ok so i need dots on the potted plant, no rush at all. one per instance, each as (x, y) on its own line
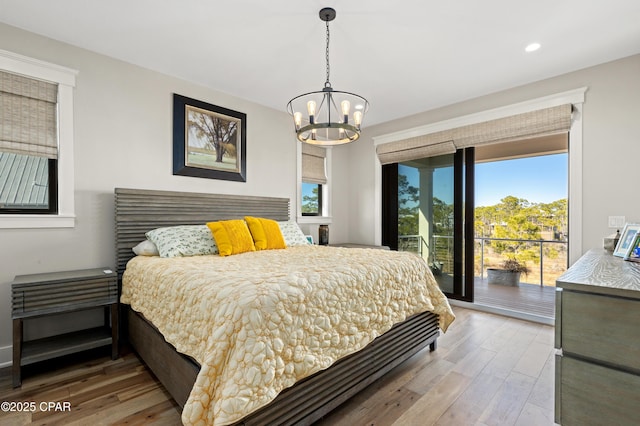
(508, 273)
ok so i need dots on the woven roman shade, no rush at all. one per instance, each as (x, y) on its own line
(543, 122)
(413, 148)
(28, 123)
(313, 164)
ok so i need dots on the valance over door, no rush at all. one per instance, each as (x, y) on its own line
(543, 122)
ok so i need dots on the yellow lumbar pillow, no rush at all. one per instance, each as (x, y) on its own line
(232, 236)
(266, 233)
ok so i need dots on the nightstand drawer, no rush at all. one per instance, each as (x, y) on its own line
(43, 294)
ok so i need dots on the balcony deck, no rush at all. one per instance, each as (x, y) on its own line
(531, 299)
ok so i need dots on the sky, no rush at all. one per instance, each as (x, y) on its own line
(536, 179)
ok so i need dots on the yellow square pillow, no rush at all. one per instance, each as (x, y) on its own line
(266, 233)
(232, 236)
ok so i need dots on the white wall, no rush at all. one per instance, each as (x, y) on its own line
(123, 138)
(611, 146)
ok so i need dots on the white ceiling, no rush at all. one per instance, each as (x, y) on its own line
(404, 56)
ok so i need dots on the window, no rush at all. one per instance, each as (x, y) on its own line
(412, 138)
(28, 145)
(314, 182)
(36, 143)
(28, 184)
(311, 199)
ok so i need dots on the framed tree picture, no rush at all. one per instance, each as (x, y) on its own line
(209, 141)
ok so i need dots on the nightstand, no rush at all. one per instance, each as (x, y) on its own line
(51, 294)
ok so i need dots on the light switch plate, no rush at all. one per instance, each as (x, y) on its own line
(616, 222)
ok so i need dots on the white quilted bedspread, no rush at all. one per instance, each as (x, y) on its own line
(258, 322)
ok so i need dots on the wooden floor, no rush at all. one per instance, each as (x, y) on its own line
(487, 370)
(101, 392)
(531, 299)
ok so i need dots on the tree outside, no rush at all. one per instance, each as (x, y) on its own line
(310, 199)
(515, 223)
(408, 207)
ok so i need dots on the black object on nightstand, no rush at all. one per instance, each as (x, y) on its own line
(55, 293)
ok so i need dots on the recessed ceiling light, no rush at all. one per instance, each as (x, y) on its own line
(532, 47)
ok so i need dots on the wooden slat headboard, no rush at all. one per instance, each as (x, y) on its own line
(140, 210)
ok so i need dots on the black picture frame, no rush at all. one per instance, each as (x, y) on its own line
(209, 141)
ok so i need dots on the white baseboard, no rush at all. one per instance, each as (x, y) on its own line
(504, 312)
(6, 356)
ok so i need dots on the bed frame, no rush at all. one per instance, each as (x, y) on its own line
(138, 211)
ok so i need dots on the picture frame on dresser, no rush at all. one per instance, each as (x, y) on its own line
(633, 254)
(626, 239)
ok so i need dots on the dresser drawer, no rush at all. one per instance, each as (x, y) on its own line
(589, 394)
(602, 328)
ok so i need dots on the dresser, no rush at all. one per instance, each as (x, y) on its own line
(597, 338)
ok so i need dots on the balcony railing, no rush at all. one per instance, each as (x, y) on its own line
(551, 259)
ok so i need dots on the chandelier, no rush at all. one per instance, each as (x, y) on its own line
(328, 117)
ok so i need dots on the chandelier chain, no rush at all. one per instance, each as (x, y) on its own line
(327, 83)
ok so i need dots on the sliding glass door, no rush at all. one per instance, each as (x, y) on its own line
(425, 207)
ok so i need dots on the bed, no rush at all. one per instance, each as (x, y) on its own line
(327, 382)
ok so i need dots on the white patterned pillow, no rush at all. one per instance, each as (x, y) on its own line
(292, 234)
(183, 240)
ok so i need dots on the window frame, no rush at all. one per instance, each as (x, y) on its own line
(65, 78)
(324, 218)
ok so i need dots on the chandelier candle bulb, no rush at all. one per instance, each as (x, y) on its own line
(357, 118)
(311, 108)
(297, 117)
(346, 106)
